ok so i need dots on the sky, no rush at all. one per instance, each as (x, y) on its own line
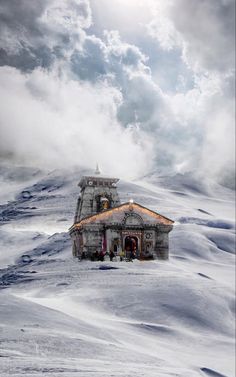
(138, 86)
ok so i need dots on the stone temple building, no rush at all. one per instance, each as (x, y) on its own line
(102, 224)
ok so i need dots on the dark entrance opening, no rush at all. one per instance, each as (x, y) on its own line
(131, 246)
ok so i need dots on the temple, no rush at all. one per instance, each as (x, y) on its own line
(102, 224)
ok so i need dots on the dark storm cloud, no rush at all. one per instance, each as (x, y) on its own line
(20, 34)
(20, 16)
(37, 33)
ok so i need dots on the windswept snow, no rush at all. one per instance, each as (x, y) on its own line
(61, 317)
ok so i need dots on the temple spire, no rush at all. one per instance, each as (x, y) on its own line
(97, 171)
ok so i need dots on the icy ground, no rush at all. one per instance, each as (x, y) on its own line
(61, 317)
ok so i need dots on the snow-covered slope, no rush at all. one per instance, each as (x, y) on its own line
(61, 317)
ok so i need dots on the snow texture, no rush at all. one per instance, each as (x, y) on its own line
(61, 317)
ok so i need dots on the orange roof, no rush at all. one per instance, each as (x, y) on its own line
(105, 214)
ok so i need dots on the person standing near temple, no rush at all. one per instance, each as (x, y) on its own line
(111, 255)
(122, 255)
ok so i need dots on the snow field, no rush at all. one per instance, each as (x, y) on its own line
(61, 317)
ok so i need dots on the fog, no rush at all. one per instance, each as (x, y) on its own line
(86, 82)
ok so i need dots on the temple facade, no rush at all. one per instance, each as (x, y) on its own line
(102, 224)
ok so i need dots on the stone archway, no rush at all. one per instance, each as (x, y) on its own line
(137, 236)
(131, 246)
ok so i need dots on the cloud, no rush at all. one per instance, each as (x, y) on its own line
(59, 122)
(206, 117)
(203, 30)
(207, 29)
(100, 95)
(76, 99)
(39, 33)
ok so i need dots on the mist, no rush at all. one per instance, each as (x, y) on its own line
(75, 92)
(61, 123)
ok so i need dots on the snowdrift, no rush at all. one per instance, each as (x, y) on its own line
(63, 317)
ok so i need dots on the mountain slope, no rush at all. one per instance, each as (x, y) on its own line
(63, 317)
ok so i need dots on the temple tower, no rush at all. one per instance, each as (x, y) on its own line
(98, 193)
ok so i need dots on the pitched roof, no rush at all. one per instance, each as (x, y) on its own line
(130, 206)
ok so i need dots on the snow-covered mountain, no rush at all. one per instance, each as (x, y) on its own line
(61, 317)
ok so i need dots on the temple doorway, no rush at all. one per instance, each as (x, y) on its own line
(131, 246)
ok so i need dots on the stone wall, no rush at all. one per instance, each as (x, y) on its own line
(87, 205)
(92, 239)
(162, 241)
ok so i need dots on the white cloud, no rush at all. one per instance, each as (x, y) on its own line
(204, 33)
(203, 30)
(99, 97)
(58, 122)
(161, 27)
